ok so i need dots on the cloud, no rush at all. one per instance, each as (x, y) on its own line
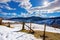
(8, 15)
(24, 3)
(9, 8)
(51, 7)
(56, 9)
(24, 15)
(37, 14)
(21, 0)
(4, 1)
(34, 11)
(5, 5)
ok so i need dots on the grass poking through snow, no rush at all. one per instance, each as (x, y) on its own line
(49, 35)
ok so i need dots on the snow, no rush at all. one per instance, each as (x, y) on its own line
(35, 27)
(8, 21)
(41, 28)
(16, 27)
(9, 34)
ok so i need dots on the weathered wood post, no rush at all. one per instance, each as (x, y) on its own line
(31, 30)
(8, 24)
(30, 27)
(0, 21)
(23, 26)
(44, 32)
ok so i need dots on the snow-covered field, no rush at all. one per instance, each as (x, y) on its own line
(36, 27)
(41, 28)
(9, 34)
(5, 21)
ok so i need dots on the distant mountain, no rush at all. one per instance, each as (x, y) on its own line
(25, 17)
(34, 17)
(49, 21)
(28, 18)
(53, 18)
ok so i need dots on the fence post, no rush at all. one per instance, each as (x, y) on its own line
(44, 31)
(8, 24)
(30, 26)
(0, 21)
(23, 27)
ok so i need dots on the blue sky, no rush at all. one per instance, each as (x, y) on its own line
(38, 2)
(28, 8)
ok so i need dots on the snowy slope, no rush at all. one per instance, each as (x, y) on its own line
(8, 21)
(41, 28)
(35, 27)
(11, 34)
(7, 34)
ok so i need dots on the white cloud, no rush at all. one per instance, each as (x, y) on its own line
(56, 9)
(3, 1)
(2, 6)
(7, 14)
(21, 0)
(37, 14)
(51, 7)
(24, 4)
(9, 8)
(46, 8)
(14, 14)
(24, 15)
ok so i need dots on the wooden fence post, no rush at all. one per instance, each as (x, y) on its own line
(44, 32)
(0, 21)
(30, 27)
(23, 26)
(8, 24)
